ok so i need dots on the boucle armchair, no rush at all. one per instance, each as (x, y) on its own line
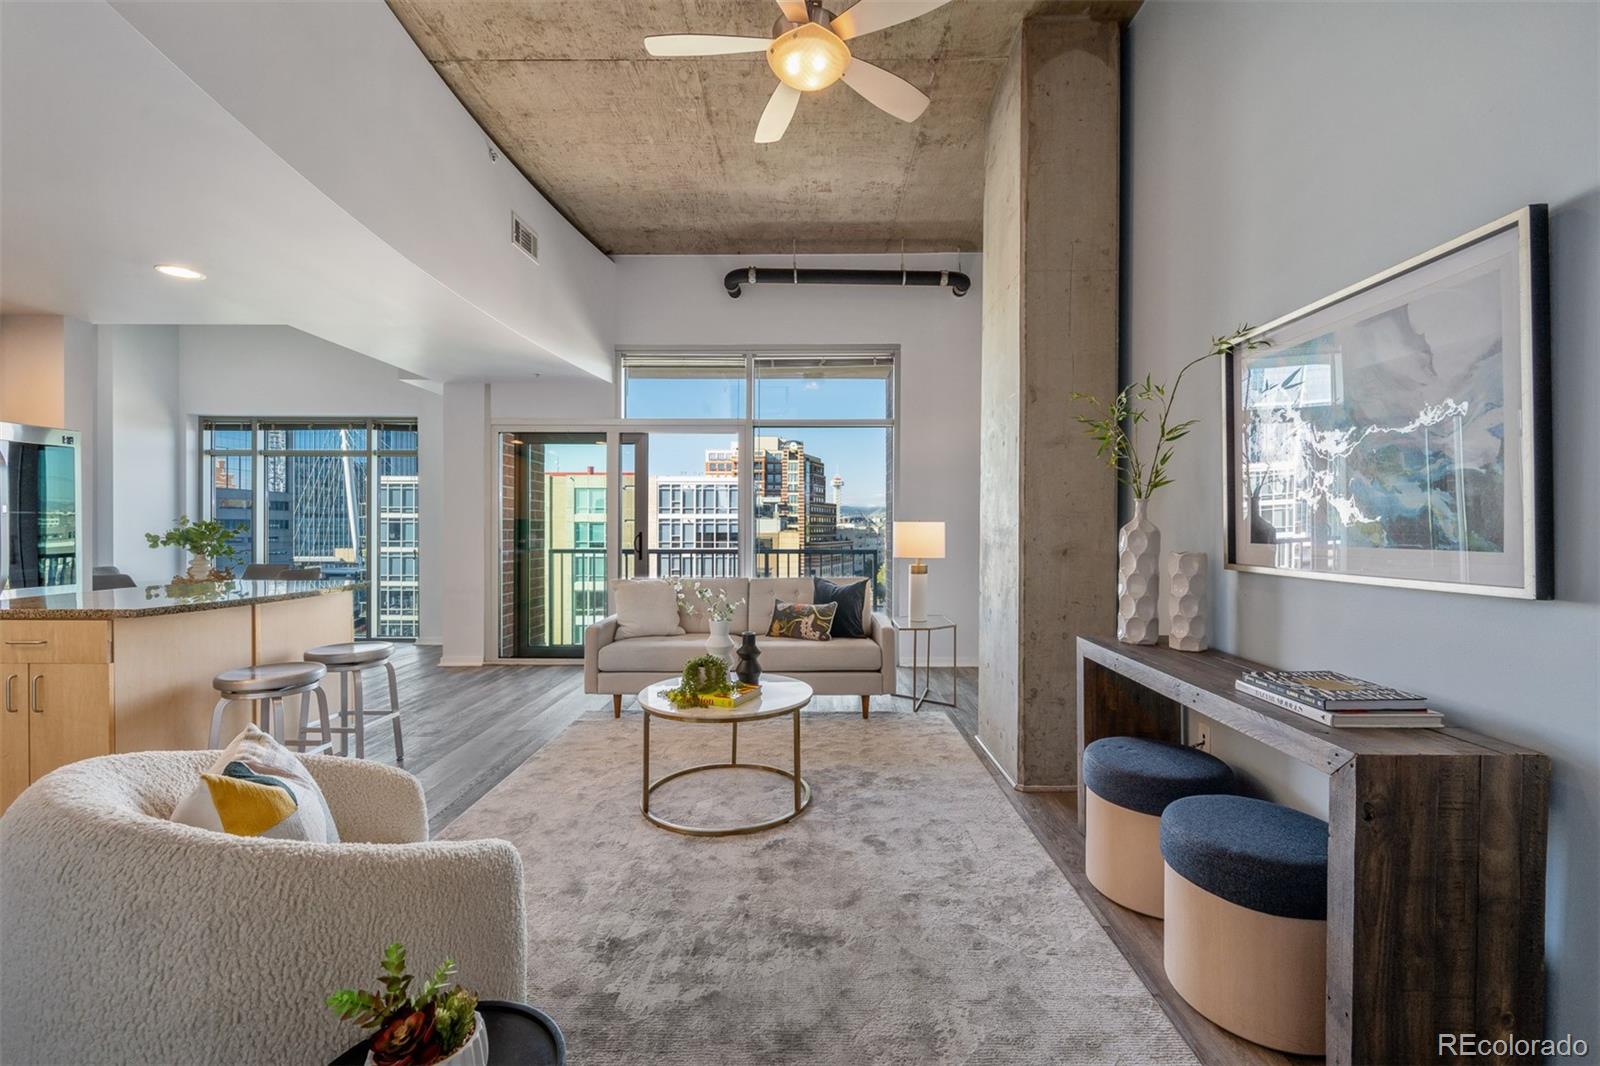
(128, 938)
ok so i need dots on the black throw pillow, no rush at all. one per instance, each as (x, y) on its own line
(849, 621)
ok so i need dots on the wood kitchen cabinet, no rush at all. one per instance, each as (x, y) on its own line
(56, 698)
(85, 673)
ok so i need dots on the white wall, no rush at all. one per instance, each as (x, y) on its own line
(138, 484)
(466, 509)
(678, 301)
(342, 94)
(1279, 152)
(276, 371)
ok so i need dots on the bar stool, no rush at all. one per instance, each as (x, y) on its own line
(270, 684)
(1246, 896)
(350, 661)
(1128, 782)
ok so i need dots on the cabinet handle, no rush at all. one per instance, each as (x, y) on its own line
(33, 695)
(27, 643)
(11, 703)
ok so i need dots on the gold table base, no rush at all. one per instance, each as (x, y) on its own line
(802, 790)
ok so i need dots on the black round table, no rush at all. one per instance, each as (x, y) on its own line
(519, 1035)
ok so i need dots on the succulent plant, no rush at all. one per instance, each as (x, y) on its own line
(412, 1030)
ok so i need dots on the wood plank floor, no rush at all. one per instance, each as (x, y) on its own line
(466, 729)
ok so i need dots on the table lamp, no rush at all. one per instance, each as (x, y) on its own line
(919, 541)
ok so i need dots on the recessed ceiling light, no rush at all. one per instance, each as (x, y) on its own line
(174, 270)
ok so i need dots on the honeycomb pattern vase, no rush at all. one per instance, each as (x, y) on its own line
(1138, 559)
(1186, 601)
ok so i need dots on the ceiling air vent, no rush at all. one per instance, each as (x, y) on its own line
(523, 237)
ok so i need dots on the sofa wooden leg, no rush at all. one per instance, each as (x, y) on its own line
(616, 705)
(866, 702)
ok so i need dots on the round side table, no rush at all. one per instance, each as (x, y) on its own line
(779, 696)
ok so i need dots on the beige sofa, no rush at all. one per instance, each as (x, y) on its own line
(125, 937)
(839, 667)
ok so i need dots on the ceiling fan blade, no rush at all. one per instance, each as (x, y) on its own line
(703, 44)
(888, 92)
(869, 16)
(794, 10)
(775, 119)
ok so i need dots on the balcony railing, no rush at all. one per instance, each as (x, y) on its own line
(574, 584)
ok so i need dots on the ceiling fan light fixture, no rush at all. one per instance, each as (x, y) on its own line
(808, 58)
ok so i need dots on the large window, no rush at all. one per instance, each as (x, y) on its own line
(818, 432)
(340, 495)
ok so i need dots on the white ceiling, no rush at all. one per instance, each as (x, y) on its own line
(112, 159)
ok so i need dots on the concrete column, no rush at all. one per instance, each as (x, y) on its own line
(1047, 554)
(462, 558)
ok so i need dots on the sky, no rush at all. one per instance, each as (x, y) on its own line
(859, 455)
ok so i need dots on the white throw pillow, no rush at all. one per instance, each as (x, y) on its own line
(258, 787)
(646, 607)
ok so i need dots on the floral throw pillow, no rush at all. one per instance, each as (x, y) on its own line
(802, 621)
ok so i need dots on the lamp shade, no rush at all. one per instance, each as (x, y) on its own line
(919, 540)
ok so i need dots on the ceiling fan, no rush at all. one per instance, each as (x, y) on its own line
(807, 51)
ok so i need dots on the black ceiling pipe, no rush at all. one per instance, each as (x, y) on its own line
(957, 282)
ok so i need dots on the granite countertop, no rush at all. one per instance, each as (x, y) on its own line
(72, 603)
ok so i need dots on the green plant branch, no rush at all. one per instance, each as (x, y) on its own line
(1115, 426)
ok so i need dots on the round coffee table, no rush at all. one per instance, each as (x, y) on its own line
(779, 696)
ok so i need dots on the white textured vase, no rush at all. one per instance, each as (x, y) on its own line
(720, 644)
(1188, 589)
(1138, 583)
(199, 568)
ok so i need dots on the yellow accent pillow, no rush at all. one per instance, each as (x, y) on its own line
(248, 808)
(256, 758)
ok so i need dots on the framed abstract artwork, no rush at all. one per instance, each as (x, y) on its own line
(1398, 432)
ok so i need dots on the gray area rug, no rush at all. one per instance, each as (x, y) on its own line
(908, 917)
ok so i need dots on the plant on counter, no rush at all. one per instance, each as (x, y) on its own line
(431, 1026)
(208, 542)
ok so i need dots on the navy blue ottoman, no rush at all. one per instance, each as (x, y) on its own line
(1128, 782)
(1246, 899)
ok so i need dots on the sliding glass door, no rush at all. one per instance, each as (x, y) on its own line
(775, 464)
(556, 503)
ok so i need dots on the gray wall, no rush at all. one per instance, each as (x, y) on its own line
(1280, 152)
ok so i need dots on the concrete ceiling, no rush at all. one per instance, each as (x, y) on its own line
(656, 156)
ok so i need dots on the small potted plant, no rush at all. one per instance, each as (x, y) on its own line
(208, 542)
(440, 1024)
(693, 597)
(705, 683)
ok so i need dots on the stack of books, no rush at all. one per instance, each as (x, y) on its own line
(737, 696)
(1340, 700)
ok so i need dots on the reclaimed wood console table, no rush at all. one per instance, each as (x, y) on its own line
(1436, 851)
